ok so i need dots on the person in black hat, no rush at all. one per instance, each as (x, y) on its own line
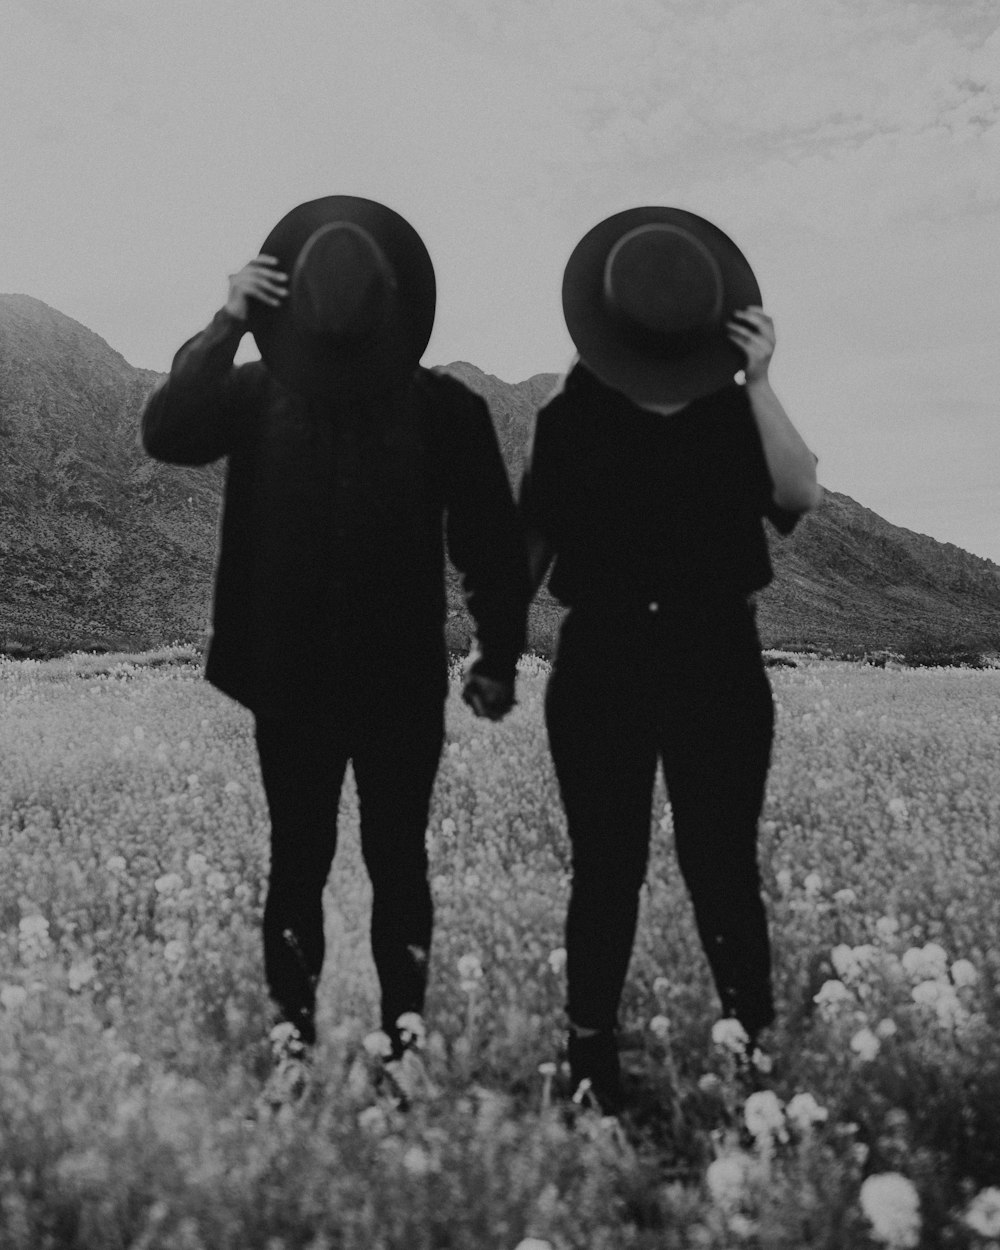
(348, 465)
(650, 472)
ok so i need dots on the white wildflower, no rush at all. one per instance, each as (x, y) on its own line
(944, 1000)
(963, 973)
(661, 987)
(763, 1116)
(377, 1044)
(448, 827)
(897, 809)
(926, 963)
(13, 996)
(892, 1206)
(232, 787)
(557, 960)
(783, 880)
(33, 926)
(845, 897)
(709, 1083)
(216, 880)
(412, 1029)
(470, 969)
(417, 1162)
(865, 1044)
(80, 974)
(803, 1111)
(887, 927)
(659, 1026)
(812, 884)
(886, 1028)
(982, 1214)
(373, 1120)
(533, 1243)
(169, 883)
(196, 863)
(116, 864)
(832, 996)
(727, 1178)
(173, 952)
(729, 1034)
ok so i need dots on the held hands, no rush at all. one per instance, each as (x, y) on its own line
(752, 330)
(258, 279)
(487, 697)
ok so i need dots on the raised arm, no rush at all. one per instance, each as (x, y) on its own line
(191, 415)
(790, 462)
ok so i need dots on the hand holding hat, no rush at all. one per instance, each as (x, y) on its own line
(258, 279)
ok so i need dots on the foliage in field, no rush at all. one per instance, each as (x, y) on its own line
(133, 853)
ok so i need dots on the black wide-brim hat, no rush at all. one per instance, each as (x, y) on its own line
(646, 296)
(388, 256)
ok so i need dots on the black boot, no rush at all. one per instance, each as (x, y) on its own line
(593, 1057)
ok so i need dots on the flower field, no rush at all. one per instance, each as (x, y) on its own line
(133, 1015)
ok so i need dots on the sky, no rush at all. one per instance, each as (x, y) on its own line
(850, 147)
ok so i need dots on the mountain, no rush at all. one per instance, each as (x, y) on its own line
(101, 547)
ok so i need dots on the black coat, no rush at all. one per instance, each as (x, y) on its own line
(329, 590)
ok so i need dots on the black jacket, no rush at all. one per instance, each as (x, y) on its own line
(329, 590)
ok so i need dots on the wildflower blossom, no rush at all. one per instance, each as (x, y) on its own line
(448, 827)
(373, 1120)
(885, 1028)
(13, 996)
(897, 809)
(115, 864)
(169, 883)
(982, 1214)
(659, 1026)
(412, 1029)
(832, 996)
(943, 999)
(377, 1044)
(892, 1206)
(803, 1111)
(812, 884)
(557, 960)
(470, 971)
(845, 897)
(533, 1243)
(783, 880)
(417, 1162)
(866, 1044)
(764, 1117)
(926, 963)
(729, 1034)
(887, 927)
(727, 1178)
(232, 787)
(963, 973)
(80, 974)
(196, 863)
(173, 952)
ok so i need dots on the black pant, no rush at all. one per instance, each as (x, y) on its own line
(395, 755)
(691, 692)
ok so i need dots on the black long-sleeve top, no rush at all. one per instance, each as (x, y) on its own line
(329, 589)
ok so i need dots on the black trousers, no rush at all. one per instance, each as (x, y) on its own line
(395, 755)
(688, 690)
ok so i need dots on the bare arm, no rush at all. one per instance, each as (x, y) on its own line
(791, 464)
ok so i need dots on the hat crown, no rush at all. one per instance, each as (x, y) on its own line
(664, 281)
(343, 286)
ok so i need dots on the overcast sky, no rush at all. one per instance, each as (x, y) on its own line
(850, 147)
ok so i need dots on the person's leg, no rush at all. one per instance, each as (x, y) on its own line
(302, 767)
(395, 762)
(716, 746)
(604, 751)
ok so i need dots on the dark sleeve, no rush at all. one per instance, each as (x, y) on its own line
(485, 541)
(192, 415)
(538, 492)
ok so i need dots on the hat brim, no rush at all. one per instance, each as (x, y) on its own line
(314, 366)
(626, 361)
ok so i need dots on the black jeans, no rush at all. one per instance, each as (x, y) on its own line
(395, 755)
(690, 691)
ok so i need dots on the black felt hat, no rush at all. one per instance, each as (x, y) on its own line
(361, 299)
(646, 296)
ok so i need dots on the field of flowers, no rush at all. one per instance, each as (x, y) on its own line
(133, 1018)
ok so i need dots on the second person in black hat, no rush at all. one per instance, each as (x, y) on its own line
(347, 467)
(651, 472)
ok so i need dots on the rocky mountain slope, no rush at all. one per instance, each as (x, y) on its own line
(102, 547)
